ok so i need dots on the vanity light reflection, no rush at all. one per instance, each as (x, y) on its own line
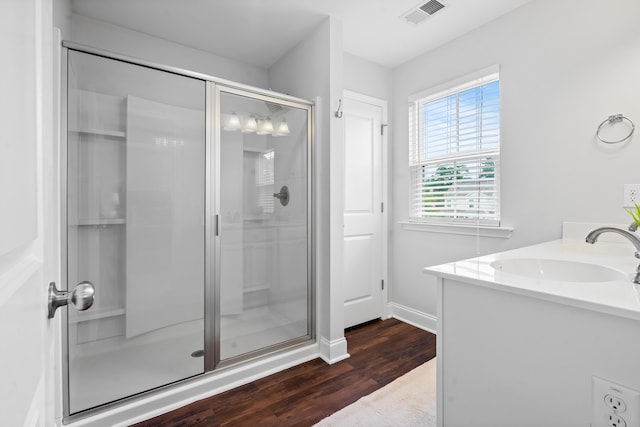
(252, 123)
(232, 123)
(265, 127)
(282, 129)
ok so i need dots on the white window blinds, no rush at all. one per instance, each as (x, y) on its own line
(454, 153)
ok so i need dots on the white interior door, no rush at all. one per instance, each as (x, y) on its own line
(25, 255)
(364, 235)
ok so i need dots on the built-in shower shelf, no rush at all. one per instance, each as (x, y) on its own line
(99, 314)
(92, 222)
(256, 288)
(102, 132)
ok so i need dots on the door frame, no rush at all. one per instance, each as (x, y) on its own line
(384, 162)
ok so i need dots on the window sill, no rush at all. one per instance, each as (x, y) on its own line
(467, 230)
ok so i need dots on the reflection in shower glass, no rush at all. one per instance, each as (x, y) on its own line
(135, 228)
(263, 271)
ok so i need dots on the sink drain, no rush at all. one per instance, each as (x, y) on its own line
(197, 353)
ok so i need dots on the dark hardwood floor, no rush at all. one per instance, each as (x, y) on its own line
(381, 351)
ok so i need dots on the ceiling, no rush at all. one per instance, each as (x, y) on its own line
(259, 32)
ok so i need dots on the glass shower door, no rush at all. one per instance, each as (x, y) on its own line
(263, 268)
(135, 228)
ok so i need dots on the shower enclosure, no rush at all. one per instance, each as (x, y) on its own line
(188, 211)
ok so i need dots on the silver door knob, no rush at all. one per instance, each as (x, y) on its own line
(81, 297)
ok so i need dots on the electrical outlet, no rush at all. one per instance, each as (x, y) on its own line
(614, 405)
(614, 420)
(631, 195)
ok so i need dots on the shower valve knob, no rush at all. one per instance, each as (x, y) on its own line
(283, 195)
(81, 297)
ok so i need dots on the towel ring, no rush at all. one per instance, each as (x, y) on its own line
(615, 119)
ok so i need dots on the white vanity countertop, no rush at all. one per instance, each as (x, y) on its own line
(620, 297)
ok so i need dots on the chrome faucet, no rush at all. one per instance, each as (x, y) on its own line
(592, 237)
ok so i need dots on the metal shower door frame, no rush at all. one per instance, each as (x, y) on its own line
(213, 87)
(285, 100)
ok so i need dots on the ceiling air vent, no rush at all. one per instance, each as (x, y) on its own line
(421, 12)
(431, 7)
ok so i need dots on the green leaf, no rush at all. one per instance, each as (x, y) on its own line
(635, 214)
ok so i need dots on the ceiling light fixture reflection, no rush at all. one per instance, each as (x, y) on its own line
(232, 123)
(265, 127)
(282, 129)
(250, 125)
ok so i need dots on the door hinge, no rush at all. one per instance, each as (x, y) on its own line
(382, 129)
(382, 207)
(217, 226)
(382, 284)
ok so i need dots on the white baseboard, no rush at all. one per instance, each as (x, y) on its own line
(413, 317)
(333, 351)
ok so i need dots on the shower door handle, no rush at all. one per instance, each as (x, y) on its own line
(81, 297)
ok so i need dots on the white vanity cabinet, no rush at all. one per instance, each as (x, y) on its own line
(521, 352)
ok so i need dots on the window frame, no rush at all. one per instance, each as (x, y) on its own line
(416, 143)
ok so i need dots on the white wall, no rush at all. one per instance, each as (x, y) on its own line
(565, 67)
(62, 17)
(367, 78)
(313, 70)
(121, 40)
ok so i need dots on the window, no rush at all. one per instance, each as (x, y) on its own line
(454, 136)
(265, 180)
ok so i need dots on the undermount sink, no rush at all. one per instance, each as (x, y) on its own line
(560, 270)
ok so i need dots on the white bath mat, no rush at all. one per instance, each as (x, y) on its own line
(408, 401)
